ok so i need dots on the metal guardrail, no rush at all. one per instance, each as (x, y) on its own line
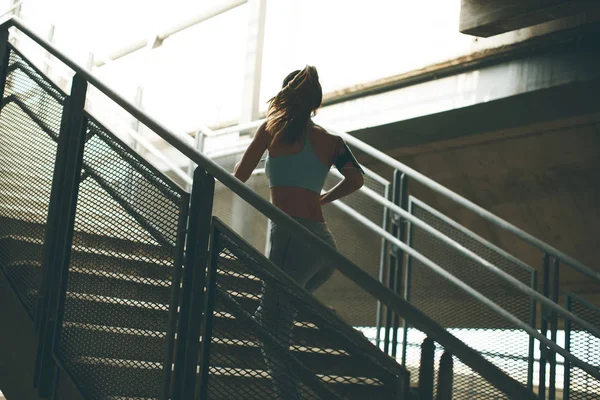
(417, 176)
(363, 280)
(532, 293)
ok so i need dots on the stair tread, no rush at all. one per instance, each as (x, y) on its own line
(19, 227)
(131, 379)
(93, 251)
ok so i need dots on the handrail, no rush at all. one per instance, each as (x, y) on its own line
(523, 288)
(417, 176)
(415, 317)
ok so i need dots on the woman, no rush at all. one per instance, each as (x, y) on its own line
(299, 157)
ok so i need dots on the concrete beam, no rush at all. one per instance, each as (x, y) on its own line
(491, 17)
(554, 34)
(563, 101)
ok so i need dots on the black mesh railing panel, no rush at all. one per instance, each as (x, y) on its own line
(29, 128)
(586, 347)
(267, 335)
(477, 325)
(123, 261)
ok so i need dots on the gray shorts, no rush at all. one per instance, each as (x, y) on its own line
(296, 258)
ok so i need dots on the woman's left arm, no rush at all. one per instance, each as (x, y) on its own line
(243, 169)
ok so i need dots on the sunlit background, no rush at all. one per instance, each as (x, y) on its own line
(200, 70)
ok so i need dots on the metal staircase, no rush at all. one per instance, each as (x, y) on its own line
(138, 292)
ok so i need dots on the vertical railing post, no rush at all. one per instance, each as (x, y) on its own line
(426, 370)
(208, 317)
(554, 329)
(532, 322)
(567, 379)
(395, 264)
(194, 276)
(59, 233)
(383, 258)
(4, 59)
(175, 296)
(402, 201)
(544, 327)
(407, 288)
(445, 377)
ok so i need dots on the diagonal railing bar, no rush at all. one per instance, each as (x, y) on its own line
(27, 68)
(19, 66)
(128, 154)
(160, 238)
(415, 317)
(13, 99)
(89, 171)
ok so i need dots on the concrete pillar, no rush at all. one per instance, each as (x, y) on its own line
(48, 59)
(257, 10)
(15, 6)
(242, 220)
(135, 124)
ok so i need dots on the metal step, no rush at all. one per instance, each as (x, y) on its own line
(227, 327)
(230, 383)
(118, 378)
(18, 249)
(139, 247)
(248, 355)
(103, 283)
(115, 312)
(115, 343)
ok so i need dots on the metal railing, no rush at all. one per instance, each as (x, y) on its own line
(400, 216)
(578, 384)
(396, 165)
(394, 302)
(548, 301)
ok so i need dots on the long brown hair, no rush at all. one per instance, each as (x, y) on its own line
(289, 111)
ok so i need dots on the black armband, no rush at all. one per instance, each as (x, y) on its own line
(345, 158)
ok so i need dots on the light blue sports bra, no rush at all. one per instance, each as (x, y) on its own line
(302, 169)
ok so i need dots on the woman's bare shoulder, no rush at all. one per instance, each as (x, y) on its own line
(326, 134)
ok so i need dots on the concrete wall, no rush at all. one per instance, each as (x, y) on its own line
(544, 178)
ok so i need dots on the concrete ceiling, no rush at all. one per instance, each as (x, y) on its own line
(491, 17)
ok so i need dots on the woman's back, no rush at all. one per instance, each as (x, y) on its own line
(300, 153)
(297, 171)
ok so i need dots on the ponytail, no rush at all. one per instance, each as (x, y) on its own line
(290, 110)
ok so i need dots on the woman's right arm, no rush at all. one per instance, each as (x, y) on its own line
(350, 169)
